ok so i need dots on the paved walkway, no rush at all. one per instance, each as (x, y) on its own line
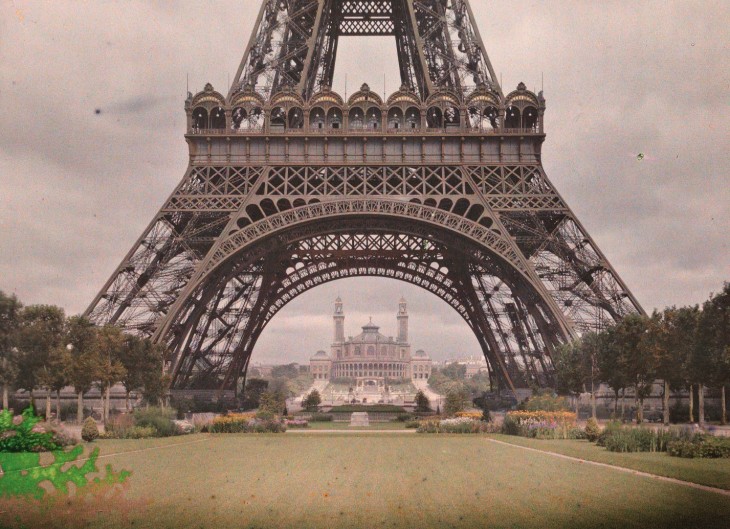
(620, 469)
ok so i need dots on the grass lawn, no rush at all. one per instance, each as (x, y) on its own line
(365, 481)
(711, 472)
(346, 426)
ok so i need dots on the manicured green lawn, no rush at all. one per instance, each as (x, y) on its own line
(369, 480)
(711, 472)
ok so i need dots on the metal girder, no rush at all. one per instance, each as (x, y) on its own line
(265, 213)
(294, 43)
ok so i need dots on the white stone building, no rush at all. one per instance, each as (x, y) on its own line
(371, 354)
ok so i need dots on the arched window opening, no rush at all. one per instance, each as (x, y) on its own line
(316, 118)
(356, 118)
(461, 206)
(529, 118)
(218, 119)
(283, 204)
(512, 119)
(446, 204)
(395, 119)
(374, 118)
(491, 115)
(200, 119)
(268, 207)
(278, 118)
(254, 213)
(413, 118)
(452, 117)
(435, 118)
(334, 118)
(475, 212)
(296, 118)
(238, 117)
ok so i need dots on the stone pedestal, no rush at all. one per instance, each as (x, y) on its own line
(359, 418)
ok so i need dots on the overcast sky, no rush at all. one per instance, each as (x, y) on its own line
(620, 77)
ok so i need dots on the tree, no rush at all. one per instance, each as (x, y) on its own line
(454, 371)
(155, 382)
(668, 348)
(713, 333)
(570, 370)
(312, 401)
(10, 309)
(457, 399)
(40, 332)
(80, 339)
(272, 401)
(611, 369)
(57, 375)
(252, 392)
(285, 371)
(422, 402)
(108, 350)
(634, 348)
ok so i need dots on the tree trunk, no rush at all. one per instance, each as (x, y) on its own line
(80, 407)
(577, 406)
(126, 403)
(108, 403)
(615, 404)
(691, 404)
(58, 405)
(701, 399)
(48, 404)
(623, 404)
(32, 400)
(6, 404)
(723, 419)
(665, 403)
(639, 406)
(593, 400)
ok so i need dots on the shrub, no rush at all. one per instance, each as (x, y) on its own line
(617, 438)
(158, 418)
(297, 423)
(243, 424)
(265, 415)
(24, 434)
(413, 424)
(89, 431)
(119, 425)
(545, 403)
(476, 415)
(321, 417)
(140, 432)
(539, 424)
(403, 417)
(452, 425)
(701, 446)
(592, 430)
(577, 433)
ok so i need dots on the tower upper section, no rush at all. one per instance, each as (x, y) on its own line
(402, 321)
(294, 44)
(339, 321)
(365, 113)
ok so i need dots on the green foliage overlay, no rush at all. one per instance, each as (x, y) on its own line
(23, 474)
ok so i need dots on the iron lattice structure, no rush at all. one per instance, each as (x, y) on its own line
(290, 186)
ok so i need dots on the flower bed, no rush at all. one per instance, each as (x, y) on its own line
(297, 423)
(476, 415)
(540, 424)
(455, 425)
(244, 423)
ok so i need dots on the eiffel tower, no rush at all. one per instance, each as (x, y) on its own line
(290, 185)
